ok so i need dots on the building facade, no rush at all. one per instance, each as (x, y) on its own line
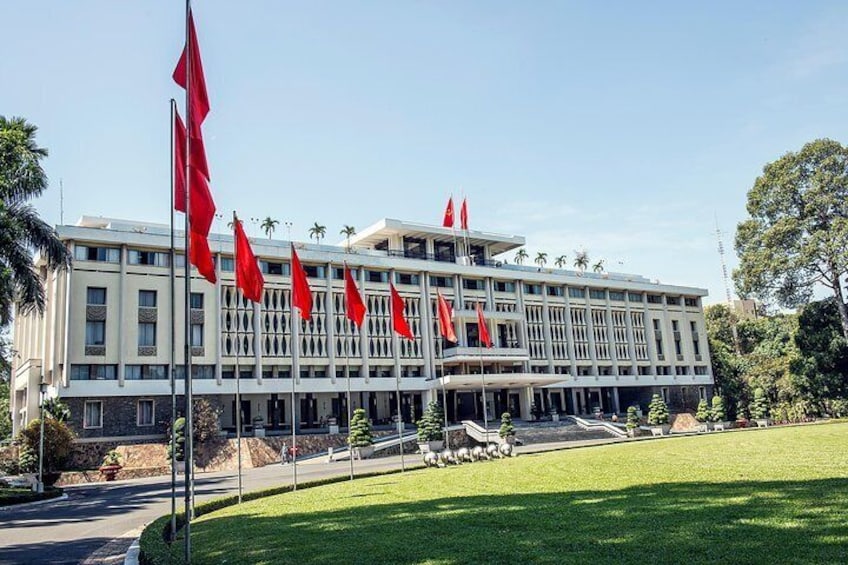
(565, 341)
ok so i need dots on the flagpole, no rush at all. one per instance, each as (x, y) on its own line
(395, 346)
(444, 391)
(483, 381)
(347, 378)
(238, 372)
(295, 331)
(172, 369)
(189, 449)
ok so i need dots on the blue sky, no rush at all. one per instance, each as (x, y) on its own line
(620, 127)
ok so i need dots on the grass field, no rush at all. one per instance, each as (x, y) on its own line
(778, 495)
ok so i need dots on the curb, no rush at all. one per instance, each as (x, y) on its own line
(133, 552)
(64, 496)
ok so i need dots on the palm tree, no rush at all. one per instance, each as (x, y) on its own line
(348, 231)
(581, 260)
(561, 261)
(520, 256)
(22, 231)
(541, 259)
(599, 266)
(317, 231)
(269, 225)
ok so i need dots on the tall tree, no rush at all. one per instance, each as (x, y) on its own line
(348, 232)
(269, 225)
(22, 231)
(796, 236)
(317, 231)
(581, 260)
(599, 266)
(823, 371)
(561, 261)
(541, 259)
(520, 256)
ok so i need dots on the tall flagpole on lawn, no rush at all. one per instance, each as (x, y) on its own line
(347, 378)
(295, 370)
(237, 370)
(395, 346)
(172, 368)
(480, 322)
(189, 450)
(441, 360)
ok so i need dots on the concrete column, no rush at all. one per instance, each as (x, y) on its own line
(522, 322)
(590, 330)
(569, 329)
(363, 334)
(330, 311)
(257, 342)
(214, 319)
(122, 319)
(631, 342)
(546, 329)
(649, 332)
(525, 397)
(459, 304)
(428, 346)
(611, 336)
(616, 404)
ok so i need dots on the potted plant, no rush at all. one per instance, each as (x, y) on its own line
(717, 414)
(258, 426)
(430, 434)
(554, 414)
(759, 408)
(507, 429)
(703, 415)
(658, 416)
(741, 414)
(111, 465)
(360, 439)
(178, 451)
(632, 421)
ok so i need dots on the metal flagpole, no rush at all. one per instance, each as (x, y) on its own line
(295, 371)
(172, 368)
(347, 378)
(444, 391)
(238, 393)
(395, 346)
(483, 381)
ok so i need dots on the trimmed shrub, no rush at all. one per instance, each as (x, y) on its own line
(717, 413)
(430, 424)
(703, 413)
(58, 442)
(759, 406)
(179, 440)
(360, 430)
(632, 418)
(507, 428)
(657, 411)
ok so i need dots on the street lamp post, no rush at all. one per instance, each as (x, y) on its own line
(42, 389)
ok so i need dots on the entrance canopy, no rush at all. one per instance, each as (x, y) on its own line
(505, 380)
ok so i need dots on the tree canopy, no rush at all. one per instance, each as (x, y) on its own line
(796, 235)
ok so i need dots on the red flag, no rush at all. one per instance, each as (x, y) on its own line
(301, 295)
(199, 100)
(202, 205)
(354, 307)
(463, 215)
(445, 319)
(485, 339)
(398, 321)
(201, 257)
(448, 221)
(248, 275)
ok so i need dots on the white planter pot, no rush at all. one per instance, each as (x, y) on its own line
(762, 422)
(428, 446)
(555, 417)
(363, 452)
(259, 432)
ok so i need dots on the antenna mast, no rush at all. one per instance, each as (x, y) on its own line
(727, 286)
(61, 203)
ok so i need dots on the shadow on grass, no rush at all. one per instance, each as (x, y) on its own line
(744, 522)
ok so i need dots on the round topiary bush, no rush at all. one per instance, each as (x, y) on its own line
(717, 413)
(360, 430)
(507, 428)
(759, 406)
(657, 411)
(632, 418)
(703, 412)
(430, 424)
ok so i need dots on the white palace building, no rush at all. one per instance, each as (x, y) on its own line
(569, 342)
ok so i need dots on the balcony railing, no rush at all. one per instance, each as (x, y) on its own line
(493, 353)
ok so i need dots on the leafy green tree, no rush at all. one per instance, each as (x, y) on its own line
(317, 231)
(58, 442)
(269, 225)
(348, 232)
(703, 412)
(798, 226)
(717, 413)
(22, 231)
(822, 371)
(581, 260)
(56, 409)
(599, 266)
(561, 262)
(360, 430)
(507, 428)
(657, 411)
(520, 256)
(632, 418)
(5, 413)
(759, 406)
(541, 259)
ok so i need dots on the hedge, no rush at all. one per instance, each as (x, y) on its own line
(9, 497)
(154, 542)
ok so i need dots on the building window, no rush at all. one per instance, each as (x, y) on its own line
(197, 335)
(147, 298)
(532, 289)
(555, 291)
(700, 370)
(504, 286)
(441, 282)
(200, 372)
(634, 297)
(702, 393)
(407, 278)
(228, 264)
(146, 334)
(102, 254)
(95, 333)
(376, 276)
(574, 292)
(144, 413)
(145, 372)
(664, 392)
(153, 258)
(672, 300)
(95, 296)
(196, 300)
(473, 284)
(94, 372)
(597, 294)
(691, 302)
(616, 296)
(274, 268)
(93, 414)
(314, 271)
(654, 299)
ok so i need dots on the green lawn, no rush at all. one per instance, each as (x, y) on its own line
(778, 495)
